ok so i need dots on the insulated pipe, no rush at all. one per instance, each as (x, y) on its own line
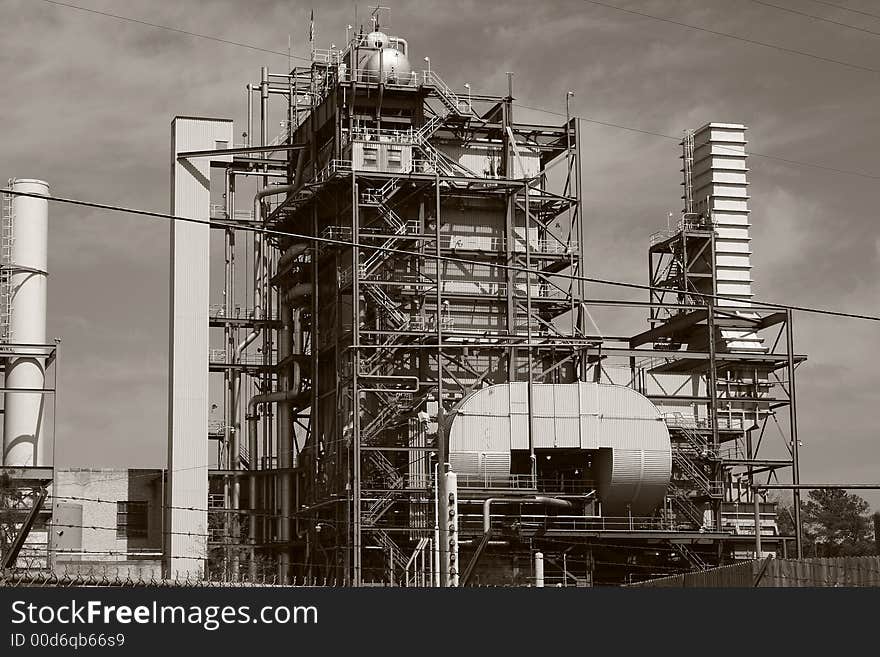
(283, 396)
(539, 570)
(296, 379)
(540, 499)
(285, 443)
(285, 262)
(297, 292)
(253, 335)
(24, 411)
(260, 282)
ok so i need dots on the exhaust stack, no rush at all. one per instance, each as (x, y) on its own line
(23, 419)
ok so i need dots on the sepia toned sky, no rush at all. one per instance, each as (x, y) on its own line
(87, 101)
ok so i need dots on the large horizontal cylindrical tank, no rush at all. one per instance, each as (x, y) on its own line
(24, 412)
(619, 430)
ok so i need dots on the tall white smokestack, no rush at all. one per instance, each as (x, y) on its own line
(23, 419)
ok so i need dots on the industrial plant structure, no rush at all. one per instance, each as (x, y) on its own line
(28, 437)
(413, 389)
(394, 373)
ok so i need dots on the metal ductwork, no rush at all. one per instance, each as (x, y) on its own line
(623, 432)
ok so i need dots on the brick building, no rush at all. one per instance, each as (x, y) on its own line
(107, 521)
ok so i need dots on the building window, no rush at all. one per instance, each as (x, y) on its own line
(131, 519)
(395, 158)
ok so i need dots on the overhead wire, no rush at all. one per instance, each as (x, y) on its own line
(855, 11)
(766, 156)
(454, 259)
(173, 29)
(581, 118)
(764, 44)
(814, 17)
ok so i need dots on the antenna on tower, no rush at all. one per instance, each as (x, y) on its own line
(376, 15)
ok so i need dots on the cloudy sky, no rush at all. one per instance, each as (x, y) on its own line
(87, 103)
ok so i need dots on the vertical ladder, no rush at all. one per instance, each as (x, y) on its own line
(688, 158)
(7, 239)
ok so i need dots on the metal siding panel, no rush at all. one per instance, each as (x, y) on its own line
(188, 394)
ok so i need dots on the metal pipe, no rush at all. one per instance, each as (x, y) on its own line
(756, 507)
(357, 575)
(539, 499)
(436, 547)
(262, 262)
(250, 115)
(285, 262)
(285, 442)
(442, 451)
(284, 396)
(533, 464)
(297, 292)
(539, 570)
(792, 414)
(264, 105)
(258, 214)
(230, 443)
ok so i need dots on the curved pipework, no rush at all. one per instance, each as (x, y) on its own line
(397, 42)
(292, 254)
(296, 293)
(285, 396)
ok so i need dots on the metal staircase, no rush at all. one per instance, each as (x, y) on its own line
(692, 557)
(695, 474)
(413, 576)
(379, 198)
(447, 96)
(394, 481)
(381, 505)
(382, 353)
(397, 562)
(682, 505)
(397, 318)
(697, 443)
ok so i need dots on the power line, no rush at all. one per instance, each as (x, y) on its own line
(589, 120)
(172, 29)
(855, 11)
(814, 17)
(764, 44)
(454, 259)
(766, 156)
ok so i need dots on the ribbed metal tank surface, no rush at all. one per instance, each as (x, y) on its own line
(633, 457)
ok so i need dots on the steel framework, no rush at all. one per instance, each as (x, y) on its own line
(425, 244)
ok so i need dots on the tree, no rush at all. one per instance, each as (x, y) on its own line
(835, 524)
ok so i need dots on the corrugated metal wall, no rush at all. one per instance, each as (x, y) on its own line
(779, 573)
(635, 459)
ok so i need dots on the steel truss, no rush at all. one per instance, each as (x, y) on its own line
(365, 352)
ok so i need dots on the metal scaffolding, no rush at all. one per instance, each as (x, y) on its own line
(425, 244)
